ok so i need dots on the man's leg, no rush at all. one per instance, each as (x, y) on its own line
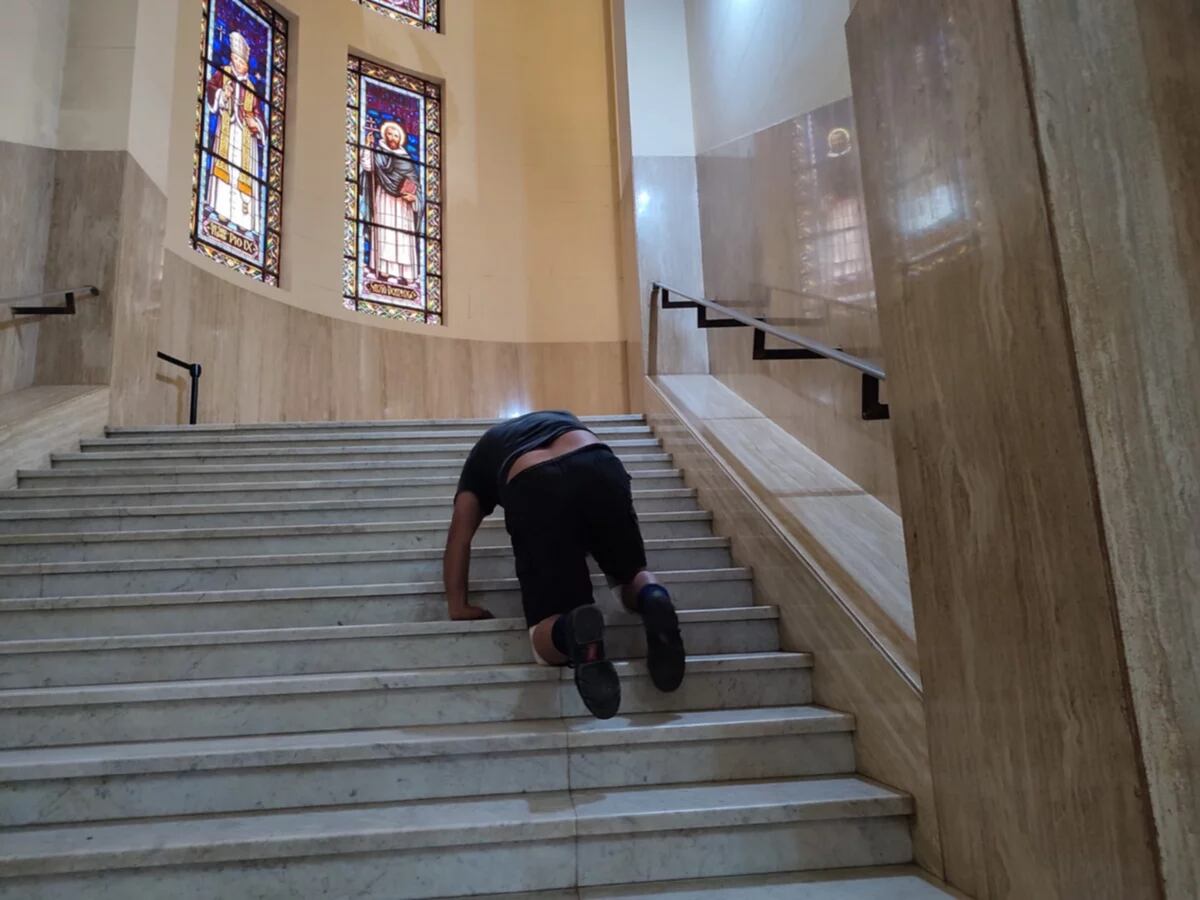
(614, 538)
(566, 628)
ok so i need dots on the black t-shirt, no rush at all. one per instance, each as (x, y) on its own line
(486, 469)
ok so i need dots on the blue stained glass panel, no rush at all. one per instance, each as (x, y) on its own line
(393, 239)
(424, 14)
(238, 176)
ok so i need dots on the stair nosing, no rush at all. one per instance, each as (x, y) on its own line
(320, 633)
(320, 592)
(129, 759)
(353, 682)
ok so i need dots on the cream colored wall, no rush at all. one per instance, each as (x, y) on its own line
(152, 87)
(660, 87)
(531, 239)
(755, 63)
(33, 45)
(97, 76)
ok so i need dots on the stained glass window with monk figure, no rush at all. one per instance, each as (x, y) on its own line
(237, 191)
(421, 13)
(392, 262)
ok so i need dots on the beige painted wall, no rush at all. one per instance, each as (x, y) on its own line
(531, 240)
(660, 87)
(97, 75)
(33, 44)
(755, 63)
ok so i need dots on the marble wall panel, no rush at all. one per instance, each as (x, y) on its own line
(1122, 176)
(1038, 784)
(851, 672)
(266, 361)
(668, 251)
(784, 236)
(26, 191)
(85, 226)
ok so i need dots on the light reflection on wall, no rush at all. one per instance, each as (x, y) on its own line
(833, 249)
(931, 211)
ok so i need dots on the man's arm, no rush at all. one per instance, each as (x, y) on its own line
(456, 564)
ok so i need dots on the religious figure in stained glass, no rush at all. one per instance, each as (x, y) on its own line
(392, 198)
(237, 194)
(421, 13)
(393, 240)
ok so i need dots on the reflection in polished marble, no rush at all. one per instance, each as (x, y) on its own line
(784, 236)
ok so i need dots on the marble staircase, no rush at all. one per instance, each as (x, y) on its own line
(226, 672)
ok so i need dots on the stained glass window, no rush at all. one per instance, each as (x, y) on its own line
(392, 263)
(421, 13)
(237, 187)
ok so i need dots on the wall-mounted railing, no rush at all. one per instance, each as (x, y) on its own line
(802, 347)
(68, 295)
(194, 370)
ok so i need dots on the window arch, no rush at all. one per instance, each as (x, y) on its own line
(420, 13)
(392, 255)
(237, 184)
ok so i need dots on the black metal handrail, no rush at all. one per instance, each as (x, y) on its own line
(67, 309)
(194, 370)
(872, 375)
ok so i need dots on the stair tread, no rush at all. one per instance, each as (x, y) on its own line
(348, 632)
(102, 760)
(347, 682)
(874, 883)
(401, 448)
(183, 510)
(245, 595)
(296, 559)
(277, 486)
(417, 824)
(99, 537)
(636, 418)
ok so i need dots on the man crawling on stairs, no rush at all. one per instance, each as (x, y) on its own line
(565, 495)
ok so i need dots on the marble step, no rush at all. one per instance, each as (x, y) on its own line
(425, 849)
(315, 512)
(475, 425)
(386, 603)
(303, 570)
(212, 490)
(395, 452)
(145, 473)
(873, 883)
(222, 775)
(348, 437)
(46, 717)
(339, 537)
(273, 652)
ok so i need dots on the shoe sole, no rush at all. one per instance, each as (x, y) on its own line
(665, 655)
(596, 680)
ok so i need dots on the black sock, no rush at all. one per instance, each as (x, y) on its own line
(558, 636)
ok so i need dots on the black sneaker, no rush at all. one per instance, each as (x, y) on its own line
(665, 655)
(595, 677)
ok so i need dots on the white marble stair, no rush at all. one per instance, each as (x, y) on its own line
(269, 652)
(332, 768)
(313, 512)
(362, 485)
(215, 573)
(299, 429)
(511, 842)
(226, 671)
(27, 618)
(259, 540)
(183, 472)
(217, 707)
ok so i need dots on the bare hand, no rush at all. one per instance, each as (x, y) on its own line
(470, 613)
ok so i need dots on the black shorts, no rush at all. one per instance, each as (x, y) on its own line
(558, 512)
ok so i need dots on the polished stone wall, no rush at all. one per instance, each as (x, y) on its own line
(783, 232)
(26, 192)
